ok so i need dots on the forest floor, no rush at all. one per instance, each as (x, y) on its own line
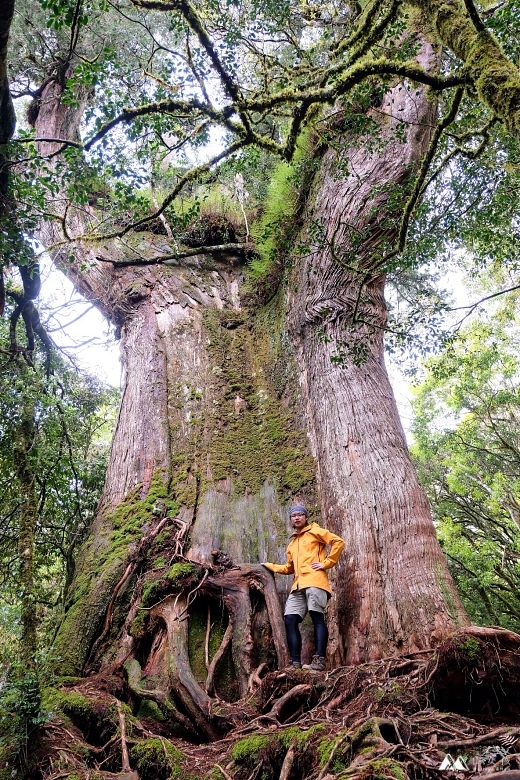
(448, 713)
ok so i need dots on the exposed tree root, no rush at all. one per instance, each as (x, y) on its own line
(137, 557)
(293, 696)
(154, 646)
(226, 640)
(371, 722)
(125, 761)
(195, 701)
(288, 761)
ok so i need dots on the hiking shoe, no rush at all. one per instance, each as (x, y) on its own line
(293, 665)
(316, 665)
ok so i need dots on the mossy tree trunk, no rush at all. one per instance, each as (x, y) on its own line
(231, 411)
(26, 671)
(23, 452)
(7, 118)
(7, 124)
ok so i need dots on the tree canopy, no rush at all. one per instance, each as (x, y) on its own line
(175, 92)
(180, 100)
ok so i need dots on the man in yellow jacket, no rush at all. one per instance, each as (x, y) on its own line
(308, 561)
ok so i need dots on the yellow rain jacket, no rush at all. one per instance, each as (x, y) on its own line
(306, 547)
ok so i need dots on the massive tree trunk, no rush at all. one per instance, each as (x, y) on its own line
(396, 594)
(229, 413)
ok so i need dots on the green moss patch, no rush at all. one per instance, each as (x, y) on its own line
(151, 710)
(469, 648)
(326, 746)
(253, 432)
(94, 717)
(139, 626)
(177, 578)
(247, 751)
(294, 734)
(270, 751)
(156, 759)
(275, 230)
(383, 769)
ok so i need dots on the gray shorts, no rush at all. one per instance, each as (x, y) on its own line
(301, 601)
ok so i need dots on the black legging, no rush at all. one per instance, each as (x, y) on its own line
(294, 638)
(321, 634)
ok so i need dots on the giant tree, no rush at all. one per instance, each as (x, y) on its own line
(242, 395)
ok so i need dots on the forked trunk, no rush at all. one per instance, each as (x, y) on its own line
(228, 414)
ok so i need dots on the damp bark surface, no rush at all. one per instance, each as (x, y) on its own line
(229, 413)
(396, 594)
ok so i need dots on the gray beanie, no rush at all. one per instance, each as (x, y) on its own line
(298, 509)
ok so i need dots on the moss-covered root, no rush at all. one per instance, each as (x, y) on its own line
(156, 759)
(95, 716)
(93, 728)
(109, 556)
(164, 706)
(196, 703)
(82, 732)
(273, 756)
(468, 670)
(378, 769)
(376, 732)
(292, 752)
(360, 753)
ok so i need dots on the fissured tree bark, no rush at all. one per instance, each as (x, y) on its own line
(395, 593)
(230, 411)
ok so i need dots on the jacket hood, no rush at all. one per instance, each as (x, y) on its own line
(304, 529)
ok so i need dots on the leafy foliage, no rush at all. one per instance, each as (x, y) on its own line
(20, 713)
(54, 429)
(73, 416)
(466, 223)
(163, 82)
(179, 96)
(467, 433)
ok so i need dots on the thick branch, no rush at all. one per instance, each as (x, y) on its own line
(193, 106)
(496, 79)
(354, 76)
(175, 258)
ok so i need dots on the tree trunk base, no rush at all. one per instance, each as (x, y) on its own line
(378, 720)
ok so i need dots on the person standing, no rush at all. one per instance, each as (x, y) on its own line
(308, 560)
